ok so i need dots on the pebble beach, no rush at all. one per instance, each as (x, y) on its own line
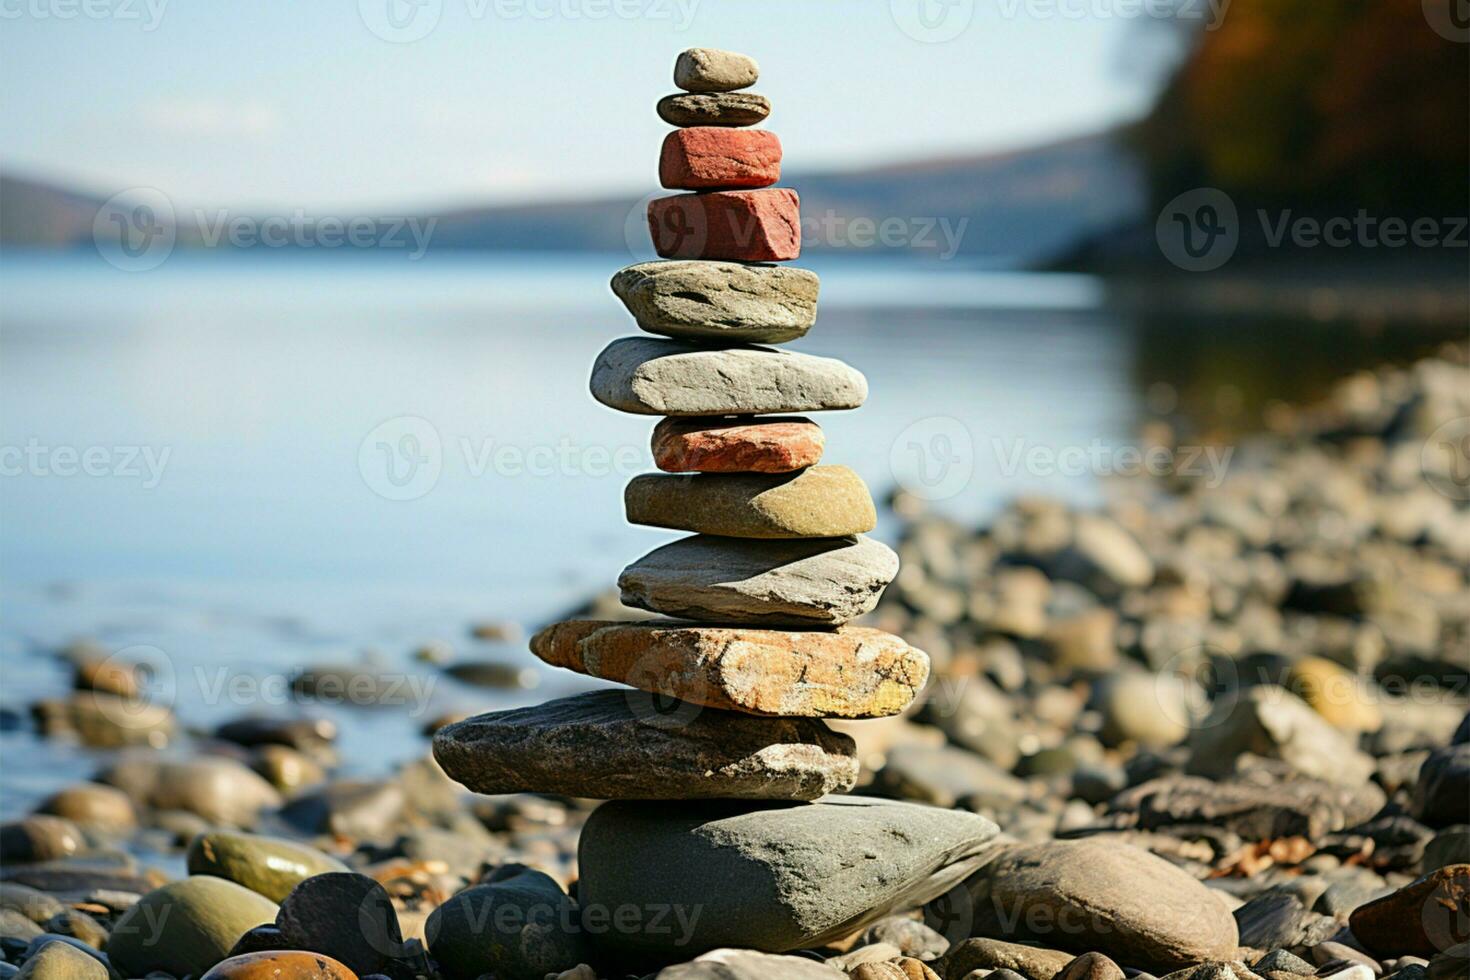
(1213, 729)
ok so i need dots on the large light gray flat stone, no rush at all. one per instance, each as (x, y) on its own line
(647, 376)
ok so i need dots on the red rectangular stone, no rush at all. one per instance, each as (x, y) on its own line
(769, 444)
(711, 157)
(734, 226)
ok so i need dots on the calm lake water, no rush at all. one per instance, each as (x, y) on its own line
(303, 459)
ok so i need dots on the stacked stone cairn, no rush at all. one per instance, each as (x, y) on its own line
(729, 692)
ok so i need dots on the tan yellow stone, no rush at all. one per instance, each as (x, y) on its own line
(1335, 693)
(850, 672)
(820, 502)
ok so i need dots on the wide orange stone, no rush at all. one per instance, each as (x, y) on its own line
(849, 672)
(710, 157)
(718, 445)
(737, 226)
(280, 965)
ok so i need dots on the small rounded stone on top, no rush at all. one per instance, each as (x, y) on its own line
(714, 108)
(713, 70)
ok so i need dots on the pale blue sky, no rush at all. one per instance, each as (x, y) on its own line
(299, 103)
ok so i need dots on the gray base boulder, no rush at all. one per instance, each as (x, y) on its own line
(768, 877)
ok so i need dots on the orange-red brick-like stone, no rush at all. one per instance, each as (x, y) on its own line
(713, 445)
(703, 158)
(737, 226)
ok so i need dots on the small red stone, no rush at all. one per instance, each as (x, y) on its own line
(708, 157)
(713, 445)
(734, 226)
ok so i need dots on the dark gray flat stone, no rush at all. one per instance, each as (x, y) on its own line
(619, 745)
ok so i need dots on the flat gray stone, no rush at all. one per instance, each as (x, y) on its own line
(826, 581)
(728, 301)
(769, 877)
(646, 376)
(631, 745)
(714, 108)
(1106, 897)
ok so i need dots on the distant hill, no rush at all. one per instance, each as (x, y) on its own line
(1020, 208)
(1017, 208)
(33, 213)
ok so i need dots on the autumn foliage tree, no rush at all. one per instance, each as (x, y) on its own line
(1322, 105)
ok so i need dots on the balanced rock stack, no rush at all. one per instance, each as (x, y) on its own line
(728, 694)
